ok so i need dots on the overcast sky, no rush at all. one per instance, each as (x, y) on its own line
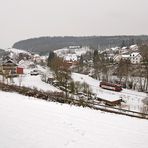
(22, 19)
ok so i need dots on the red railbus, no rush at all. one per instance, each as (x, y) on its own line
(111, 86)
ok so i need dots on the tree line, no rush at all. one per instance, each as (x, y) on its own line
(42, 45)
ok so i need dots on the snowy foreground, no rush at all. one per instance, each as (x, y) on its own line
(30, 123)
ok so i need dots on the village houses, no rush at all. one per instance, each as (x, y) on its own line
(134, 57)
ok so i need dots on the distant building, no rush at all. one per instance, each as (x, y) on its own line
(125, 57)
(74, 47)
(118, 57)
(135, 57)
(36, 58)
(123, 50)
(110, 101)
(71, 57)
(9, 68)
(134, 47)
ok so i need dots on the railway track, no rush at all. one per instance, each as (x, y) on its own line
(114, 92)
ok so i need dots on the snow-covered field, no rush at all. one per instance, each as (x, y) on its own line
(133, 98)
(34, 82)
(31, 123)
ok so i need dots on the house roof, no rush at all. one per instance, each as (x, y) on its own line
(10, 61)
(133, 47)
(134, 54)
(125, 56)
(108, 97)
(124, 48)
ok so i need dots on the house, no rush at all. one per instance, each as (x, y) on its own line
(36, 58)
(110, 101)
(71, 59)
(125, 57)
(135, 57)
(133, 47)
(123, 50)
(9, 68)
(118, 57)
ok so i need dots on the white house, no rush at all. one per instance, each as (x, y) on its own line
(123, 50)
(126, 57)
(134, 47)
(118, 57)
(71, 57)
(135, 57)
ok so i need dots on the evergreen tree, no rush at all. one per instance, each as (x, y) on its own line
(50, 58)
(95, 57)
(81, 61)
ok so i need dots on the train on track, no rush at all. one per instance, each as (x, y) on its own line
(111, 86)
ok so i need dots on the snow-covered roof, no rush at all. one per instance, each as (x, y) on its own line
(115, 48)
(107, 49)
(9, 61)
(108, 97)
(125, 56)
(36, 56)
(124, 47)
(134, 54)
(133, 46)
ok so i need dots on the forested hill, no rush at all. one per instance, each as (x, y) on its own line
(44, 44)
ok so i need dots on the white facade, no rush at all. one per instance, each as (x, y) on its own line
(125, 56)
(71, 57)
(135, 58)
